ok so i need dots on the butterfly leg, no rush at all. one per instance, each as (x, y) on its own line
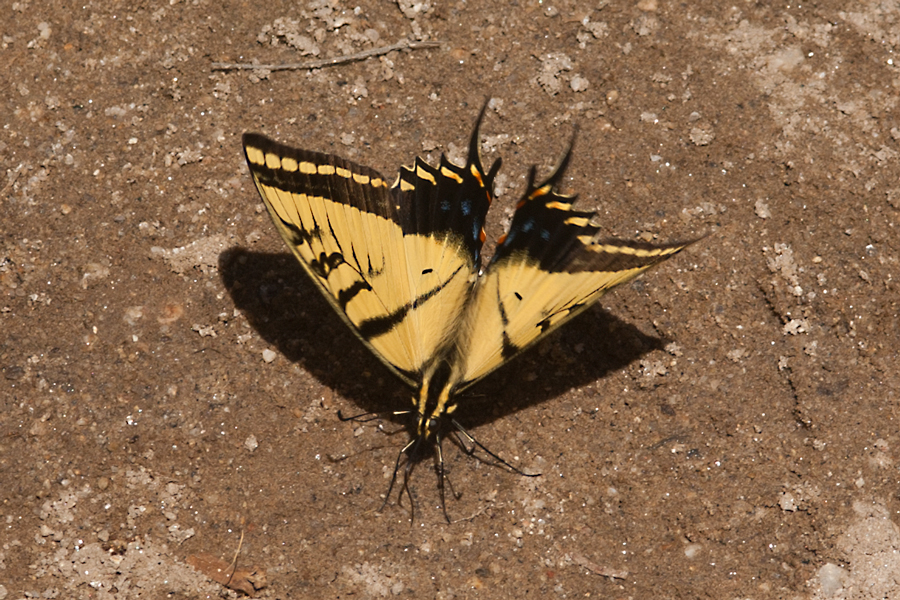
(468, 448)
(475, 443)
(407, 469)
(456, 495)
(400, 454)
(370, 416)
(441, 475)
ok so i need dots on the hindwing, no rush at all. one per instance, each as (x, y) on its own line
(548, 268)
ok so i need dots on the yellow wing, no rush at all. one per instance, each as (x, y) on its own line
(396, 262)
(548, 268)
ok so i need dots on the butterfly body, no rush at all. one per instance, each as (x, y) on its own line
(401, 263)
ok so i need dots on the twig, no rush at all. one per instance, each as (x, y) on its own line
(12, 179)
(327, 62)
(582, 560)
(234, 561)
(472, 516)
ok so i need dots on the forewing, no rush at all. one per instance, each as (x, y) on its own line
(390, 259)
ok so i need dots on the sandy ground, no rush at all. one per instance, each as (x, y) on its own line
(725, 427)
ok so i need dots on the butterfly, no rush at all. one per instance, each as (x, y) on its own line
(401, 264)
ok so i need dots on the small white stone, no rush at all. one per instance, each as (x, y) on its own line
(579, 83)
(787, 502)
(250, 443)
(831, 578)
(268, 355)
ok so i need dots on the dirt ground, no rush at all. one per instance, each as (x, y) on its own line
(726, 427)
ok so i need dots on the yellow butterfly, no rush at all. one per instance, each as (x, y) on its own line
(401, 265)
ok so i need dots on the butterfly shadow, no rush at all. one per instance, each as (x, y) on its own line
(581, 352)
(288, 312)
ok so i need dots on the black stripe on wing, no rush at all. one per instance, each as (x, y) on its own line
(448, 201)
(546, 230)
(544, 226)
(301, 171)
(378, 326)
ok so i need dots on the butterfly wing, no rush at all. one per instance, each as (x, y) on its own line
(396, 262)
(548, 268)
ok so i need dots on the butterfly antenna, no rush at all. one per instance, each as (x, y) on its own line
(472, 439)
